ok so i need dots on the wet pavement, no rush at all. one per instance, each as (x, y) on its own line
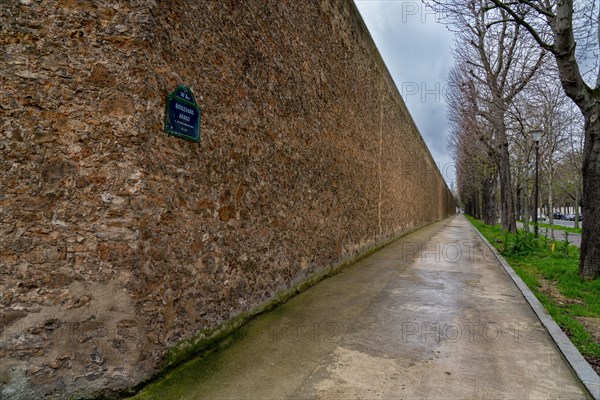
(432, 315)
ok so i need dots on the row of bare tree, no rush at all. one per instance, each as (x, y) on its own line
(523, 66)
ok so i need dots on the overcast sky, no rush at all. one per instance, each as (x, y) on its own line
(416, 50)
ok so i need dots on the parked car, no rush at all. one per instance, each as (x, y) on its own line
(570, 217)
(558, 215)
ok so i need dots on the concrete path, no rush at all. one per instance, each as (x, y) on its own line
(574, 238)
(432, 315)
(562, 222)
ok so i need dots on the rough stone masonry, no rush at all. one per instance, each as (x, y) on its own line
(118, 241)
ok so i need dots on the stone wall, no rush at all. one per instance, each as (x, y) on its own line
(118, 241)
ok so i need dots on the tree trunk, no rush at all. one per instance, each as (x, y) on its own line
(518, 208)
(589, 266)
(526, 204)
(489, 201)
(550, 207)
(480, 204)
(506, 195)
(577, 203)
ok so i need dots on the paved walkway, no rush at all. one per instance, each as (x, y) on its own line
(432, 315)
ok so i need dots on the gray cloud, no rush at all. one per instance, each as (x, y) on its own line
(416, 50)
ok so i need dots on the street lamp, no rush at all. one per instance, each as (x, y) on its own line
(537, 135)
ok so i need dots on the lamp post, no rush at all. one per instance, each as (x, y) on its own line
(537, 135)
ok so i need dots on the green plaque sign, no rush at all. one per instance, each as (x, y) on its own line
(182, 116)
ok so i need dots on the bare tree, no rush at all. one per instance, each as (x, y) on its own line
(570, 167)
(545, 106)
(499, 60)
(476, 172)
(554, 26)
(522, 144)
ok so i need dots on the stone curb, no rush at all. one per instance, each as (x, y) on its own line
(582, 369)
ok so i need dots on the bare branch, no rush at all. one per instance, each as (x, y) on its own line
(524, 24)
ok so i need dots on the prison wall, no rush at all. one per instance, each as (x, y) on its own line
(119, 242)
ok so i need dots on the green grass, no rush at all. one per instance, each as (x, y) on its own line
(556, 227)
(541, 269)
